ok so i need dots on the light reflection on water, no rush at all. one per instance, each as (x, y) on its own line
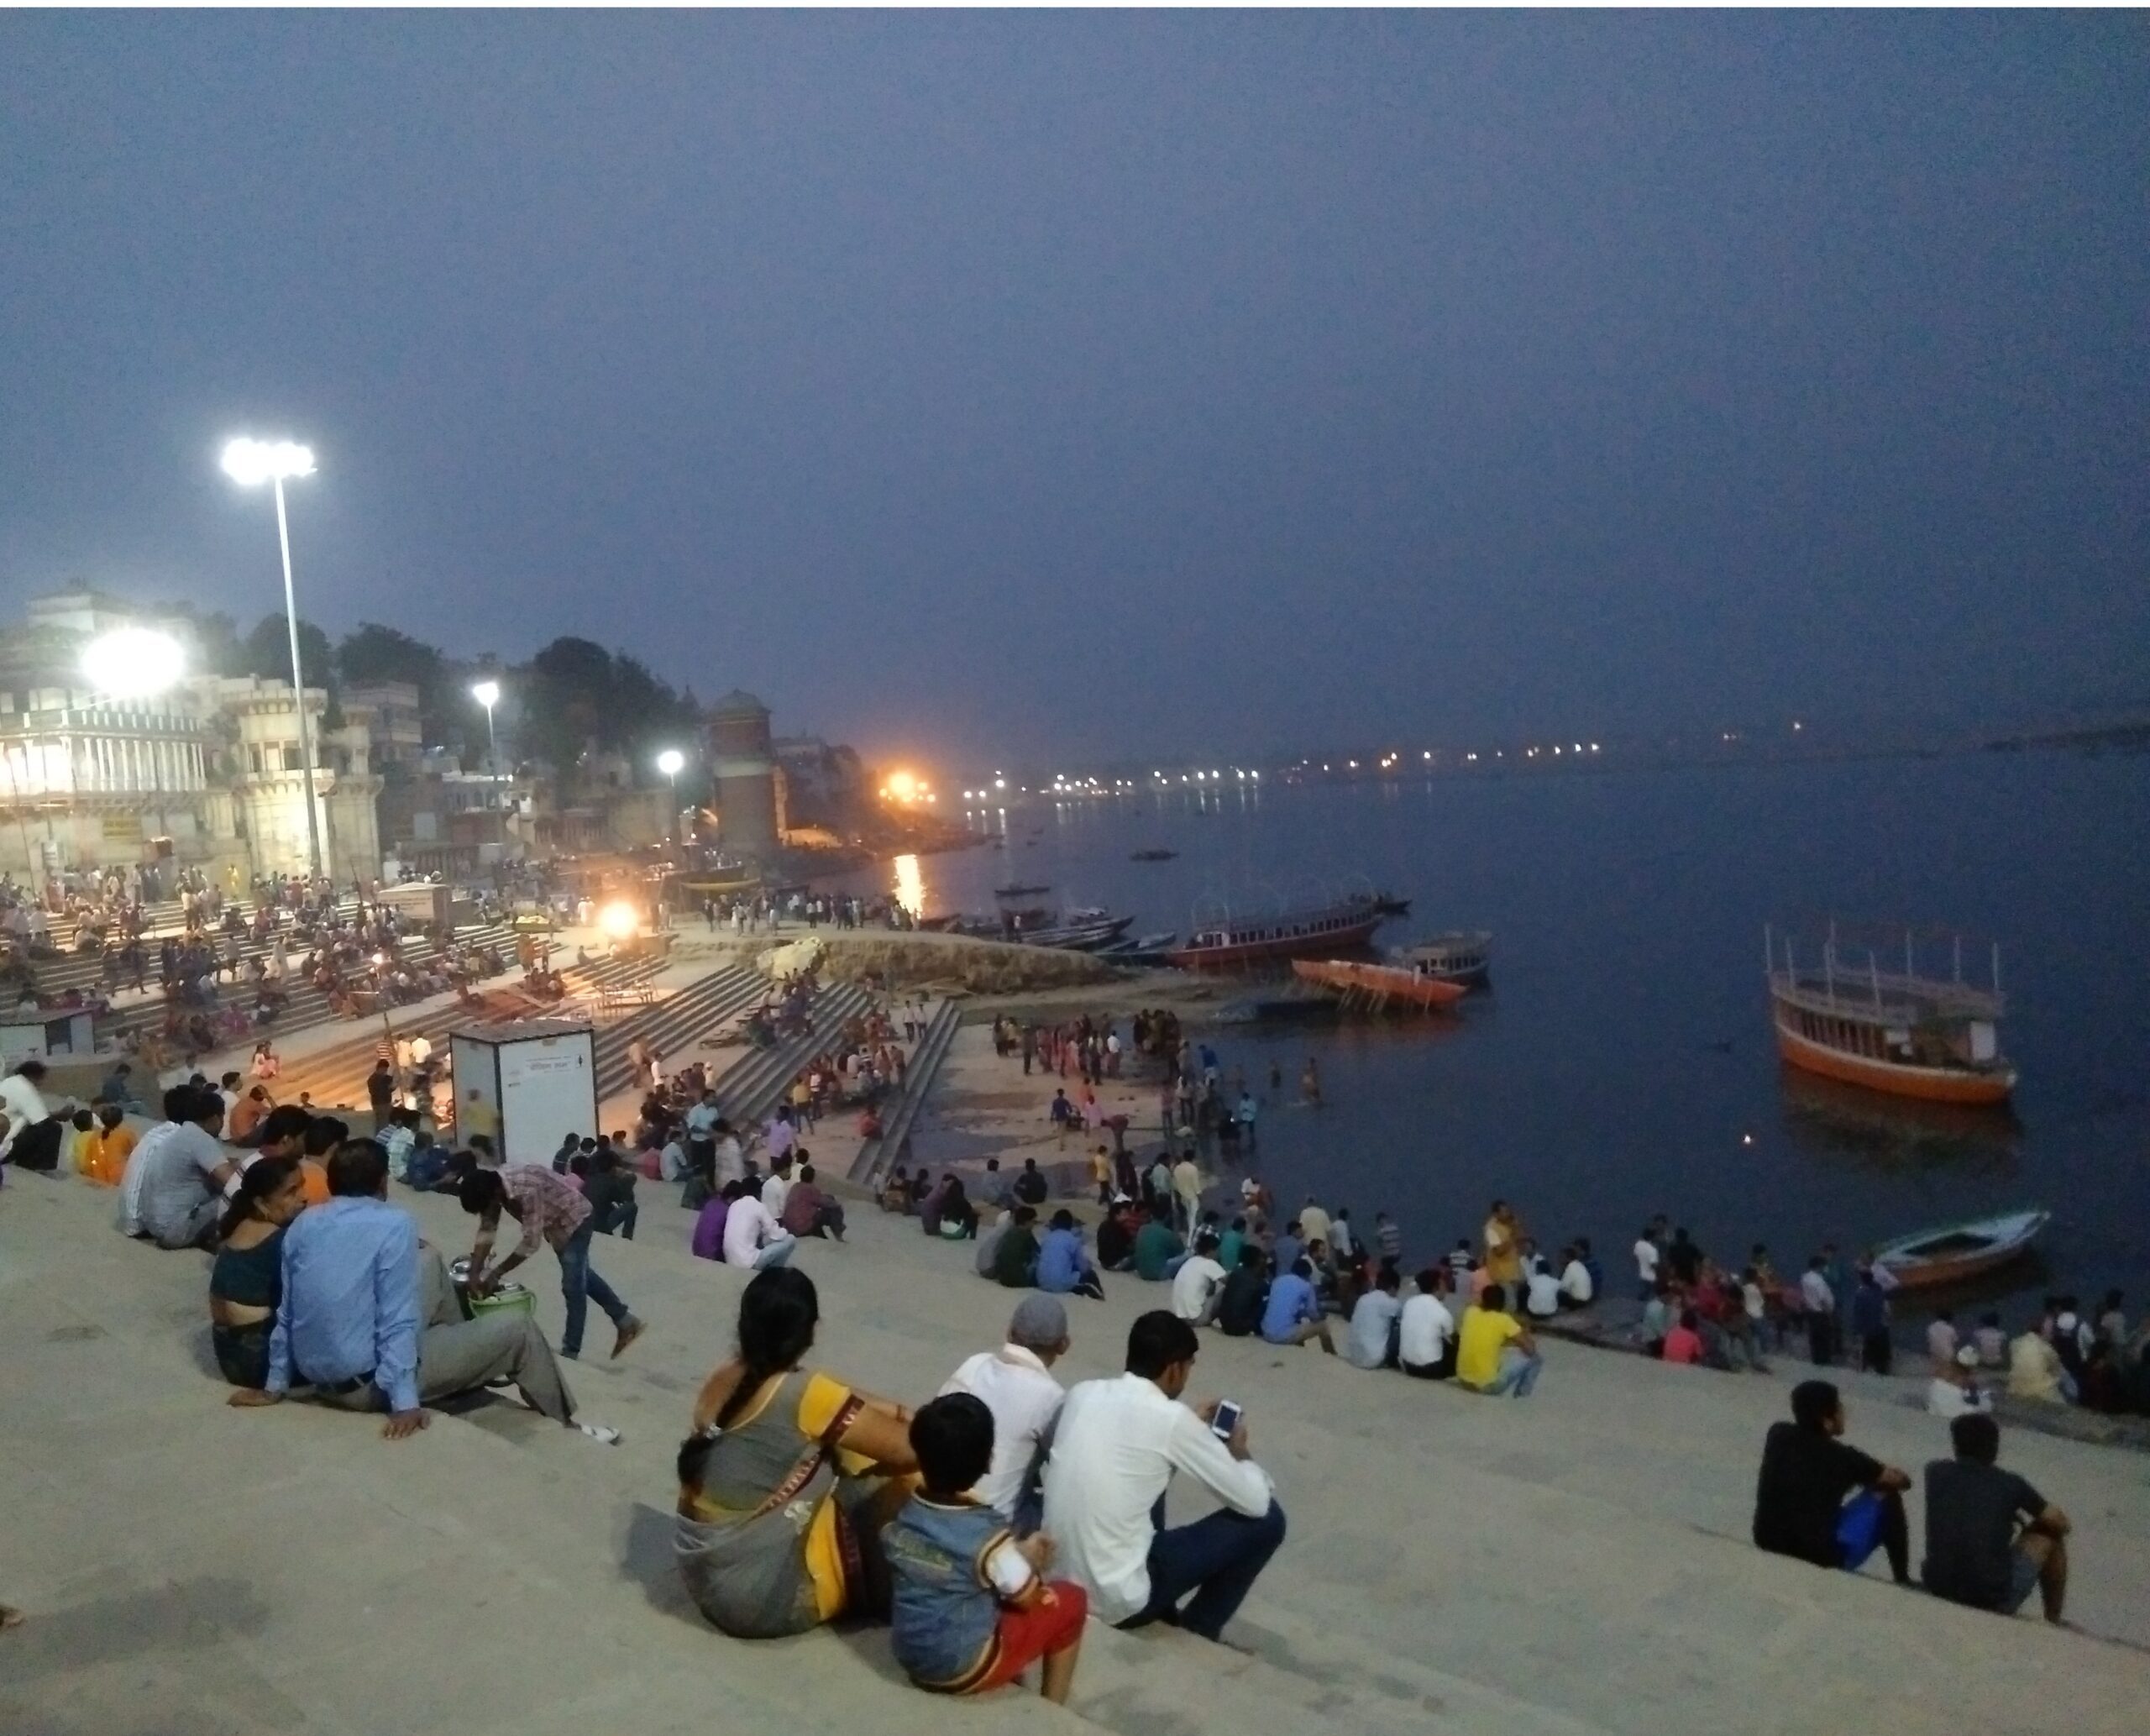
(910, 885)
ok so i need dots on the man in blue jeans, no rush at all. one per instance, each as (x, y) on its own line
(1114, 1450)
(548, 1210)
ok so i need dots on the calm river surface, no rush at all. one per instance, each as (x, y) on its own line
(1622, 1062)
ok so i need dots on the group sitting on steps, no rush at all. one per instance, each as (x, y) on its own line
(803, 1499)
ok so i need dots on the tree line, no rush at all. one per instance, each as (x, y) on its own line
(571, 700)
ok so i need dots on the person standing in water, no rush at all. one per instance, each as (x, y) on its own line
(1310, 1085)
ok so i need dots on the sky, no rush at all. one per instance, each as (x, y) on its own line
(986, 386)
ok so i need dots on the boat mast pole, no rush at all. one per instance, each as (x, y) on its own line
(1909, 972)
(1960, 958)
(1829, 968)
(1997, 966)
(1873, 971)
(1769, 952)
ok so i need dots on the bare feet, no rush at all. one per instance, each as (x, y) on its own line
(628, 1334)
(10, 1617)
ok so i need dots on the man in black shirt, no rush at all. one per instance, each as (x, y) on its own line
(1245, 1293)
(1030, 1186)
(1807, 1469)
(380, 1093)
(1975, 1552)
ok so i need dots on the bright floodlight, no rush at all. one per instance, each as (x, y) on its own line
(619, 920)
(669, 761)
(133, 663)
(487, 692)
(249, 462)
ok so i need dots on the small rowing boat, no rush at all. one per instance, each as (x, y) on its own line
(1021, 891)
(1961, 1251)
(1153, 856)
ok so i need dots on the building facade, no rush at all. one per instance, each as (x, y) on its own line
(207, 774)
(742, 760)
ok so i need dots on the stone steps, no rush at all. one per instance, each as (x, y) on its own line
(1573, 1563)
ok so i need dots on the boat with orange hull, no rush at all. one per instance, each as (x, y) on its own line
(1267, 939)
(1933, 1039)
(1379, 984)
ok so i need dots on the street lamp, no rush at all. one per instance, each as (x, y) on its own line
(250, 463)
(668, 762)
(488, 695)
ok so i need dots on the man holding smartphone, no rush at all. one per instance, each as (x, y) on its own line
(1115, 1452)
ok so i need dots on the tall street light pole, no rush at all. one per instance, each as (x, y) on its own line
(250, 463)
(668, 762)
(488, 695)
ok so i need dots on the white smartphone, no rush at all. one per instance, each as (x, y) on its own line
(1226, 1420)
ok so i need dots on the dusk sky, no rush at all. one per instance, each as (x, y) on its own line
(1006, 385)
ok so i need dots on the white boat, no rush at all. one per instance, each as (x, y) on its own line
(1459, 955)
(1960, 1251)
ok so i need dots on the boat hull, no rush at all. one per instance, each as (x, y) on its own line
(1378, 981)
(1277, 949)
(1929, 1084)
(2014, 1239)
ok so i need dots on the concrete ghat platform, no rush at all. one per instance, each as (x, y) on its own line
(1575, 1563)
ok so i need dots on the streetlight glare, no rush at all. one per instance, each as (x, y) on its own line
(669, 761)
(133, 663)
(252, 462)
(487, 692)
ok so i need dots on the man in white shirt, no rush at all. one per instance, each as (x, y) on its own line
(33, 1134)
(1313, 1222)
(1015, 1384)
(1577, 1288)
(1187, 1192)
(172, 1190)
(1371, 1341)
(752, 1238)
(1113, 1453)
(1198, 1284)
(1821, 1304)
(1646, 1260)
(1541, 1292)
(1425, 1331)
(777, 1188)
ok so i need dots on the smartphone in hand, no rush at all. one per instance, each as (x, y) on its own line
(1226, 1420)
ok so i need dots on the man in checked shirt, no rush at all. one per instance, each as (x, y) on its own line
(548, 1210)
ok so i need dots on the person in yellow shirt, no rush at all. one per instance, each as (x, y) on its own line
(103, 1153)
(1495, 1354)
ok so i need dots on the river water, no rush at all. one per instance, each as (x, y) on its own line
(1622, 1062)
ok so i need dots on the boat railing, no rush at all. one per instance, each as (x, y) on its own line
(1899, 998)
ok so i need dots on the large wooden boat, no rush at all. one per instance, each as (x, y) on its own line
(1961, 1251)
(1379, 985)
(1459, 955)
(1294, 934)
(1910, 1035)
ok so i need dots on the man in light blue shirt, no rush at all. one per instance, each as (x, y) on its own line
(1293, 1315)
(369, 1319)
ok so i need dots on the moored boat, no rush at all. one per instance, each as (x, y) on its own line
(1958, 1251)
(1021, 891)
(1153, 855)
(1379, 984)
(1293, 934)
(1462, 955)
(1902, 1033)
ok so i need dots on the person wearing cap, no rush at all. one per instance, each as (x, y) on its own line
(1015, 1383)
(1954, 1390)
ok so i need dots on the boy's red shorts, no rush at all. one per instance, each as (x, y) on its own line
(1050, 1624)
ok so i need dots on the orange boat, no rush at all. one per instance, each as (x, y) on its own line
(1901, 1033)
(1379, 984)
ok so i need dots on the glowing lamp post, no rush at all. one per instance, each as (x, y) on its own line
(251, 462)
(135, 663)
(668, 762)
(488, 695)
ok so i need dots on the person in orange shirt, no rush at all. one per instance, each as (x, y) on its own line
(286, 1132)
(248, 1115)
(102, 1157)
